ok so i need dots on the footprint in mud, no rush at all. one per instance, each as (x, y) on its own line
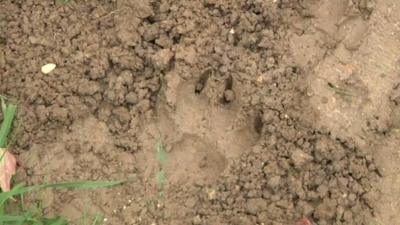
(201, 134)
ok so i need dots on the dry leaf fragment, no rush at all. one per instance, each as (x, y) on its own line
(8, 164)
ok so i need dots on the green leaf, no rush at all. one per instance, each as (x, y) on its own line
(98, 219)
(55, 221)
(3, 104)
(9, 218)
(64, 1)
(19, 189)
(160, 179)
(84, 184)
(6, 125)
(161, 154)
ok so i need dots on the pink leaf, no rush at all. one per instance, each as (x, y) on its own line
(304, 221)
(8, 164)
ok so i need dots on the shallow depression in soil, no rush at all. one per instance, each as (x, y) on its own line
(202, 135)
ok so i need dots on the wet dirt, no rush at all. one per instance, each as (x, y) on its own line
(271, 112)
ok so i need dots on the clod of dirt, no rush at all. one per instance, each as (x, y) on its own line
(132, 98)
(87, 87)
(229, 96)
(162, 59)
(300, 158)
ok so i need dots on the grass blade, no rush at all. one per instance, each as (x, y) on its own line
(7, 124)
(98, 219)
(3, 104)
(161, 154)
(83, 184)
(8, 218)
(19, 189)
(55, 221)
(160, 179)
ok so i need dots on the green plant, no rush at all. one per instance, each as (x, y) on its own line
(98, 219)
(161, 158)
(35, 216)
(9, 111)
(64, 1)
(90, 219)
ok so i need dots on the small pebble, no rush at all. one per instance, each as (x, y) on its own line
(48, 68)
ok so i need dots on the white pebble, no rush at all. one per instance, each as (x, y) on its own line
(232, 31)
(48, 68)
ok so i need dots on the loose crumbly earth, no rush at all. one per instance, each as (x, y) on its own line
(271, 112)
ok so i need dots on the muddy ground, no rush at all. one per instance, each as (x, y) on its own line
(270, 111)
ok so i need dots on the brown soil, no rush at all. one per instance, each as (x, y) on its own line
(270, 111)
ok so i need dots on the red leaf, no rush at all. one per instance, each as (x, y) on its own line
(305, 221)
(8, 164)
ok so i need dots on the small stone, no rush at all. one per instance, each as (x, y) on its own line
(48, 68)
